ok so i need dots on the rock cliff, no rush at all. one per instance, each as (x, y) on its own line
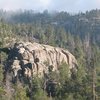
(29, 59)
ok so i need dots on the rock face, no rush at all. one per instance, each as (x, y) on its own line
(32, 59)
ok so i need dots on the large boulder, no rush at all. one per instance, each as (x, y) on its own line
(35, 59)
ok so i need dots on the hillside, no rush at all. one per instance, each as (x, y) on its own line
(74, 38)
(77, 24)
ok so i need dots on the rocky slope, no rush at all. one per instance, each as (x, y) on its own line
(30, 59)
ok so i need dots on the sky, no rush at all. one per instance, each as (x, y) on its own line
(51, 5)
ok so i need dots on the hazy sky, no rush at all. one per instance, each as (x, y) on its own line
(40, 5)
